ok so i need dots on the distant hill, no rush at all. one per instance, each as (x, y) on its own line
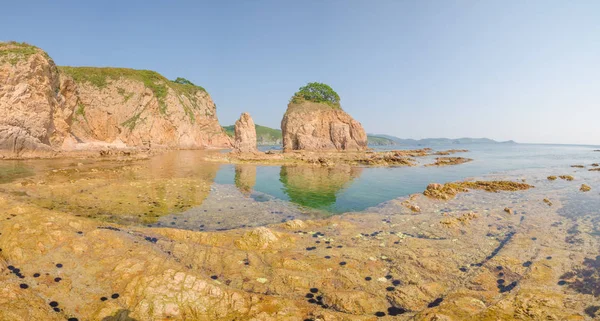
(440, 141)
(264, 135)
(379, 141)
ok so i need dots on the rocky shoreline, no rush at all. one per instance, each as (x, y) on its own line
(464, 258)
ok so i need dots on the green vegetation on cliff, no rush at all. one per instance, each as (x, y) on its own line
(318, 93)
(151, 79)
(13, 51)
(264, 135)
(379, 141)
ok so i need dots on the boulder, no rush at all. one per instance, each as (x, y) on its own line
(245, 135)
(315, 126)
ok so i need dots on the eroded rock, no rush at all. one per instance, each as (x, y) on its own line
(245, 135)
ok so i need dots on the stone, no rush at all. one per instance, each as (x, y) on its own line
(259, 238)
(245, 135)
(318, 126)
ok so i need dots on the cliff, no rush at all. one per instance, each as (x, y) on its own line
(45, 109)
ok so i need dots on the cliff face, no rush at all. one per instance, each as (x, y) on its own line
(318, 126)
(32, 108)
(45, 109)
(141, 108)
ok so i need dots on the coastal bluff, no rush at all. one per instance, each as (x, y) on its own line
(315, 121)
(46, 109)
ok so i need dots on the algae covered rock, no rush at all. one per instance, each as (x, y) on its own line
(314, 120)
(449, 190)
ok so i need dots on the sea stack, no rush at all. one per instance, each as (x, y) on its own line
(315, 121)
(245, 135)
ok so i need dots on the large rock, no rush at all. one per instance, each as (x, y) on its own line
(30, 100)
(44, 109)
(318, 126)
(141, 108)
(245, 135)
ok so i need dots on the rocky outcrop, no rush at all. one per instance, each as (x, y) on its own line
(318, 126)
(45, 109)
(141, 108)
(30, 100)
(245, 135)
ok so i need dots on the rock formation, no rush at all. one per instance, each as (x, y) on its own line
(245, 135)
(44, 109)
(317, 126)
(30, 100)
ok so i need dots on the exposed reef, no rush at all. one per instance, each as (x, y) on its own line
(450, 190)
(447, 161)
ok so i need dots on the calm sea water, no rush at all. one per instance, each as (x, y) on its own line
(340, 191)
(334, 190)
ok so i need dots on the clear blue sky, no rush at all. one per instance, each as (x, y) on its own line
(522, 70)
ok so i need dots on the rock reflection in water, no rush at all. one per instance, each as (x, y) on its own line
(316, 187)
(10, 171)
(245, 178)
(136, 192)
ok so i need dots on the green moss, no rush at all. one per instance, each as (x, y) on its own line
(13, 52)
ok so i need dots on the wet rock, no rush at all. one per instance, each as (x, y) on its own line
(448, 161)
(585, 188)
(449, 190)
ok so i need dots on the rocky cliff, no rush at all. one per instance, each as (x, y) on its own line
(32, 108)
(245, 135)
(317, 126)
(45, 109)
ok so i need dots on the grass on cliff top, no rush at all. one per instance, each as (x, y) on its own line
(13, 51)
(317, 92)
(151, 80)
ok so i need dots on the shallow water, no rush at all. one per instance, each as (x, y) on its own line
(144, 191)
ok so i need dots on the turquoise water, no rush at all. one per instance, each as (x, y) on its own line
(339, 191)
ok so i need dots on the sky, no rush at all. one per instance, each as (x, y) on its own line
(522, 70)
